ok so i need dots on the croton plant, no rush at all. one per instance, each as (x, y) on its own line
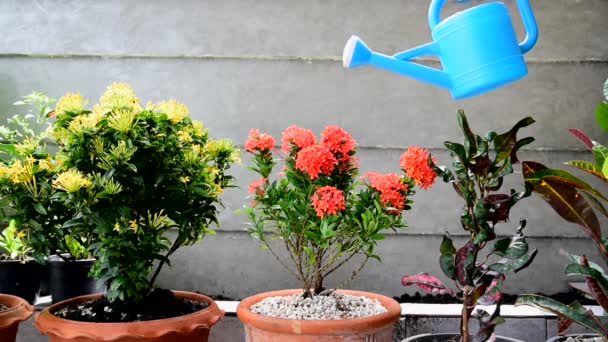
(577, 202)
(478, 268)
(319, 208)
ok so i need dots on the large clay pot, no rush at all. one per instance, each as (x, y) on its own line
(20, 310)
(193, 327)
(259, 328)
(450, 337)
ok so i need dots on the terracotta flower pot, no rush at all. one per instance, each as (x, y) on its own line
(20, 310)
(260, 328)
(581, 336)
(188, 328)
(449, 337)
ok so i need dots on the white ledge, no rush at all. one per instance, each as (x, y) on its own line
(447, 310)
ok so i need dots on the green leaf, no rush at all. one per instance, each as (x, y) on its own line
(39, 209)
(378, 237)
(71, 223)
(446, 260)
(514, 247)
(601, 115)
(458, 150)
(470, 141)
(589, 168)
(600, 153)
(578, 269)
(505, 143)
(577, 314)
(508, 265)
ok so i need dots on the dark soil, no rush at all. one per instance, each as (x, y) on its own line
(3, 307)
(158, 305)
(564, 297)
(221, 297)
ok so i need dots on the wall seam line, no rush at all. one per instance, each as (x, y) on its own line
(307, 59)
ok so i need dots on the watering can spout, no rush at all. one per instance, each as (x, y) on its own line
(356, 53)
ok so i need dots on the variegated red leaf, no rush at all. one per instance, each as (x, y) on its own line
(582, 137)
(426, 282)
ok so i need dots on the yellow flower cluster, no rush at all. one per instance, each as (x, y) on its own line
(18, 172)
(198, 128)
(70, 102)
(119, 95)
(84, 122)
(27, 147)
(184, 137)
(176, 111)
(122, 120)
(219, 147)
(71, 181)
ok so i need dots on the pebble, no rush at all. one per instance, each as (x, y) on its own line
(321, 307)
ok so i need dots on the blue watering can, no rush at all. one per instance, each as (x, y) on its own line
(477, 48)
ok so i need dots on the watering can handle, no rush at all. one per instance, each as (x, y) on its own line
(527, 17)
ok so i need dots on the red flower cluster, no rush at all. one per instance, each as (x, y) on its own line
(314, 160)
(414, 163)
(301, 137)
(390, 187)
(341, 144)
(338, 141)
(327, 200)
(257, 187)
(257, 141)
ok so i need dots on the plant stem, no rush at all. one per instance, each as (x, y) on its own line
(174, 247)
(354, 274)
(467, 308)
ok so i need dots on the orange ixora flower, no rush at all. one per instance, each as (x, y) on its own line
(314, 160)
(298, 136)
(257, 187)
(327, 200)
(257, 141)
(338, 141)
(391, 188)
(414, 163)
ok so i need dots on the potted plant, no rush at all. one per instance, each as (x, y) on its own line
(324, 216)
(478, 268)
(131, 175)
(36, 207)
(19, 273)
(577, 202)
(19, 128)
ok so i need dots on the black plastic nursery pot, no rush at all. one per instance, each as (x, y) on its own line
(45, 279)
(21, 279)
(70, 279)
(450, 338)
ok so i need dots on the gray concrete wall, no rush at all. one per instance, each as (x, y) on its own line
(268, 64)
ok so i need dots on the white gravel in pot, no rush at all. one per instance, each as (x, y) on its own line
(584, 339)
(321, 307)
